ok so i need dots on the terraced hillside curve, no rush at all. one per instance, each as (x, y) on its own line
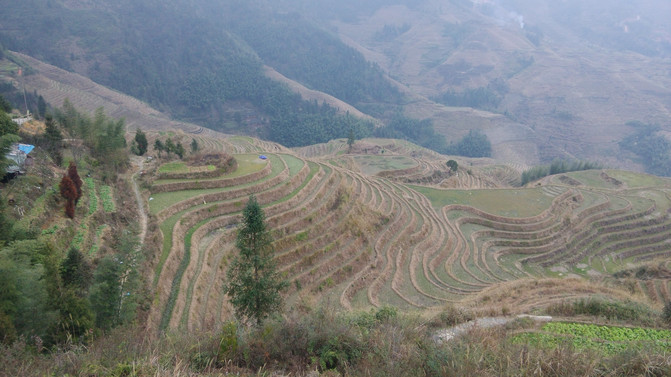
(365, 240)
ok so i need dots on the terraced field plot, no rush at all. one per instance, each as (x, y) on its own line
(374, 164)
(605, 339)
(363, 240)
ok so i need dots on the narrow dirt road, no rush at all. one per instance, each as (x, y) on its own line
(138, 162)
(483, 323)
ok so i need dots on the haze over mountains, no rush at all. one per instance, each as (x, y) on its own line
(542, 79)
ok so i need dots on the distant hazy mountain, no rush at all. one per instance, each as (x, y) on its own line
(542, 79)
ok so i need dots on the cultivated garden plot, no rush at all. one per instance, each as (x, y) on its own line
(605, 339)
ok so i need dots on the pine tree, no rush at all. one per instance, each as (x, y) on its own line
(6, 224)
(194, 146)
(106, 293)
(254, 285)
(179, 150)
(41, 106)
(76, 271)
(158, 147)
(169, 146)
(53, 137)
(142, 143)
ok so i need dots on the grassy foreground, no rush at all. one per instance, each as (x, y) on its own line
(322, 342)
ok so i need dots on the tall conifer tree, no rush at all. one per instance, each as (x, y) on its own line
(254, 285)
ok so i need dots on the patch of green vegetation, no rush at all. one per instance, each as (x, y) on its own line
(166, 229)
(302, 236)
(107, 198)
(313, 170)
(628, 311)
(633, 179)
(558, 167)
(295, 164)
(93, 198)
(96, 245)
(247, 164)
(174, 167)
(78, 240)
(499, 202)
(51, 230)
(177, 279)
(605, 339)
(163, 200)
(374, 164)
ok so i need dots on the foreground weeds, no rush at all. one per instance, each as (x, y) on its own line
(322, 342)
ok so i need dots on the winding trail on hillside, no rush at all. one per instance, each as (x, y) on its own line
(448, 334)
(139, 163)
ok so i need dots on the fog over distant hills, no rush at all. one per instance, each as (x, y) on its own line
(543, 80)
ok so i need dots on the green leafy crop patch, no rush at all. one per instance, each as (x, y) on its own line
(606, 339)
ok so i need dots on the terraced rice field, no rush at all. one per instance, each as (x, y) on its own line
(362, 240)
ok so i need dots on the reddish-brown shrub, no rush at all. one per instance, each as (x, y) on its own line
(68, 188)
(69, 192)
(70, 208)
(76, 180)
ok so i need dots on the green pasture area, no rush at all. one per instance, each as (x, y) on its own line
(590, 178)
(633, 179)
(508, 203)
(374, 164)
(659, 197)
(182, 167)
(247, 164)
(295, 164)
(605, 339)
(163, 200)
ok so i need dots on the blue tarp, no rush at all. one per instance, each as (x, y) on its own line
(263, 157)
(26, 148)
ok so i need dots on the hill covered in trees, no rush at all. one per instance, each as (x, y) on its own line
(207, 64)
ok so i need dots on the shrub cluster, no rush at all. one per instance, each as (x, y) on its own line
(376, 343)
(611, 310)
(556, 167)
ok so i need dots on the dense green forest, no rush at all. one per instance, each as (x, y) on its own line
(207, 61)
(652, 149)
(556, 167)
(309, 55)
(421, 132)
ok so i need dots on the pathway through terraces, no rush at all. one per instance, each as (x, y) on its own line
(138, 164)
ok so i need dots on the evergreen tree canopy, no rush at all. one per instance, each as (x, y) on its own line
(253, 284)
(7, 125)
(142, 143)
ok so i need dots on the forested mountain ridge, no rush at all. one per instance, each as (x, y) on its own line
(550, 80)
(167, 55)
(542, 82)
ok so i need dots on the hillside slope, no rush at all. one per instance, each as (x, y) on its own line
(566, 86)
(374, 228)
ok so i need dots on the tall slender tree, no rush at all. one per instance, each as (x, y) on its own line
(254, 285)
(158, 147)
(53, 139)
(76, 180)
(194, 146)
(69, 192)
(141, 141)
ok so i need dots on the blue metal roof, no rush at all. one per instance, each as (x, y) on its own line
(26, 148)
